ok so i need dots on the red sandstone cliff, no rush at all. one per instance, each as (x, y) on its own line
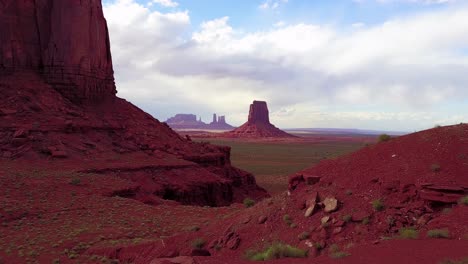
(58, 104)
(67, 42)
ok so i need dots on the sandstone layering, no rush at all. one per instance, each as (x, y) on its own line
(258, 124)
(58, 104)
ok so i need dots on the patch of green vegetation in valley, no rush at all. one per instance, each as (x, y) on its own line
(273, 162)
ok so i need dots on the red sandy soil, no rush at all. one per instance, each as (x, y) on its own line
(414, 193)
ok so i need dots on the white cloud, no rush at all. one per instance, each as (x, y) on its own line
(166, 3)
(272, 4)
(315, 73)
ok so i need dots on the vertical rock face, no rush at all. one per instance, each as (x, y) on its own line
(258, 113)
(67, 42)
(222, 119)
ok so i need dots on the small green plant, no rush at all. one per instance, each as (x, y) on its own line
(75, 181)
(319, 245)
(248, 202)
(447, 210)
(438, 233)
(287, 219)
(198, 243)
(384, 138)
(435, 167)
(276, 251)
(463, 200)
(450, 261)
(378, 205)
(347, 218)
(304, 235)
(336, 253)
(365, 221)
(193, 228)
(408, 233)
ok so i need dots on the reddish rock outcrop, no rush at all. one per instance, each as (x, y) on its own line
(258, 124)
(58, 104)
(67, 42)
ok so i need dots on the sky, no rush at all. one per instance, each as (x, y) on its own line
(399, 65)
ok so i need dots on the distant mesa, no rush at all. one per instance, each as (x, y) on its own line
(189, 121)
(258, 124)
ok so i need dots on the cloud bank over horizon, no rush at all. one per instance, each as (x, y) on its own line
(405, 73)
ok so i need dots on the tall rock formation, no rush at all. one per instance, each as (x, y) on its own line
(258, 113)
(258, 124)
(67, 42)
(58, 104)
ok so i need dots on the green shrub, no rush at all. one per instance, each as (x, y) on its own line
(303, 236)
(408, 233)
(365, 221)
(248, 202)
(378, 205)
(336, 253)
(287, 219)
(193, 228)
(449, 261)
(438, 233)
(347, 218)
(75, 181)
(319, 245)
(384, 138)
(198, 243)
(435, 167)
(464, 200)
(276, 251)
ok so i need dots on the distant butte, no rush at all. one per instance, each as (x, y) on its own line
(189, 121)
(258, 125)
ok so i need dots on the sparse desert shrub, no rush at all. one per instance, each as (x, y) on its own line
(347, 218)
(449, 261)
(287, 219)
(435, 167)
(447, 210)
(193, 228)
(384, 138)
(464, 200)
(336, 253)
(438, 233)
(75, 181)
(378, 205)
(365, 221)
(319, 245)
(248, 202)
(408, 233)
(198, 243)
(303, 236)
(276, 251)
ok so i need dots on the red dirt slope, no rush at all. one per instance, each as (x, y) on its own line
(381, 192)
